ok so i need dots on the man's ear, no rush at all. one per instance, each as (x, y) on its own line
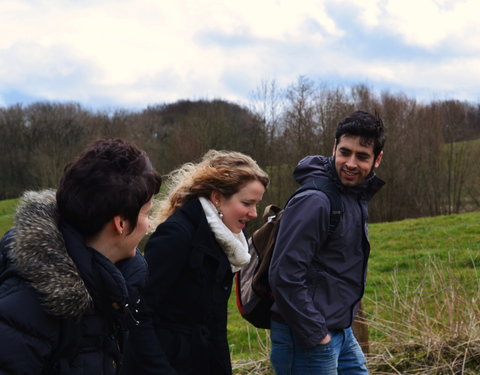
(334, 147)
(378, 159)
(119, 224)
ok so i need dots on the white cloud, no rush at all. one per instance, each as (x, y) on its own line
(425, 23)
(144, 51)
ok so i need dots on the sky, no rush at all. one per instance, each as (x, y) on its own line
(134, 53)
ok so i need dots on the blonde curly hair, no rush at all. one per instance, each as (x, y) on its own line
(223, 171)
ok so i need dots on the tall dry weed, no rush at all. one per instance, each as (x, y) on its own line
(260, 365)
(431, 325)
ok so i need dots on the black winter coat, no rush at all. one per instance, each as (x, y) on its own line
(62, 304)
(187, 295)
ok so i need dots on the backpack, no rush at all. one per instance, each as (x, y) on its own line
(253, 294)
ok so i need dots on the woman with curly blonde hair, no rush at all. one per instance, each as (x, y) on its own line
(193, 254)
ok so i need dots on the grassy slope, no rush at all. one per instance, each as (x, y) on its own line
(7, 208)
(405, 246)
(401, 252)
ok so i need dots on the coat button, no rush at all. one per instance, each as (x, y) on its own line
(116, 305)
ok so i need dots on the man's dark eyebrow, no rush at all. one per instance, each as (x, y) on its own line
(364, 154)
(361, 154)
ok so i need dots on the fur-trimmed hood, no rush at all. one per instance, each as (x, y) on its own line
(39, 253)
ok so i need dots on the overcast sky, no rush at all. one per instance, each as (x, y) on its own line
(135, 53)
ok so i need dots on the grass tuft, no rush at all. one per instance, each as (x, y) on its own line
(431, 326)
(7, 210)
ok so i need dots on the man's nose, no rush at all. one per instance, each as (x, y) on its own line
(351, 162)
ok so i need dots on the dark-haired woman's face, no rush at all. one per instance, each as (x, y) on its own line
(241, 207)
(131, 240)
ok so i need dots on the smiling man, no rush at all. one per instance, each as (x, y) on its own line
(318, 280)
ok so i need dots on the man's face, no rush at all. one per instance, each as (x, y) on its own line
(354, 161)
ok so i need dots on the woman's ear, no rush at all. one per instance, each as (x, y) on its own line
(215, 197)
(119, 224)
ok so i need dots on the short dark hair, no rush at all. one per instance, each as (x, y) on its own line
(365, 125)
(110, 177)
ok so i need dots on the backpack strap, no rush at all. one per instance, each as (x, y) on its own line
(325, 185)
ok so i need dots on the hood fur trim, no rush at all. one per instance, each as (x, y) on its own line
(39, 253)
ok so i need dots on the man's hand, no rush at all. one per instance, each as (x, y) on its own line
(325, 340)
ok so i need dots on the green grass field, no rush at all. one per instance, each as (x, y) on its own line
(422, 271)
(405, 246)
(7, 208)
(404, 256)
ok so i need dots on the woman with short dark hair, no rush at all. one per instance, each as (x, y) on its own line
(68, 285)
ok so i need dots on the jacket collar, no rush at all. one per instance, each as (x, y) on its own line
(54, 259)
(203, 236)
(367, 189)
(39, 253)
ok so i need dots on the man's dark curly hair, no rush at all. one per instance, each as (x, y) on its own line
(365, 125)
(110, 177)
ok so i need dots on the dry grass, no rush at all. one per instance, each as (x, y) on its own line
(260, 365)
(253, 367)
(432, 327)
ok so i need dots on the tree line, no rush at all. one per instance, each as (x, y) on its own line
(429, 162)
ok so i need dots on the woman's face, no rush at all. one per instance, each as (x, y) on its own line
(131, 240)
(241, 207)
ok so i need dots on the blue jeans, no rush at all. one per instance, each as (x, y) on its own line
(342, 355)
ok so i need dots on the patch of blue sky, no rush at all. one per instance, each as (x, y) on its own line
(422, 94)
(239, 38)
(13, 97)
(378, 42)
(237, 84)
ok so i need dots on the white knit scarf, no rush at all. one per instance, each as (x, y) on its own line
(234, 245)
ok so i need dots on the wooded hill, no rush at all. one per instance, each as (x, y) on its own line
(430, 161)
